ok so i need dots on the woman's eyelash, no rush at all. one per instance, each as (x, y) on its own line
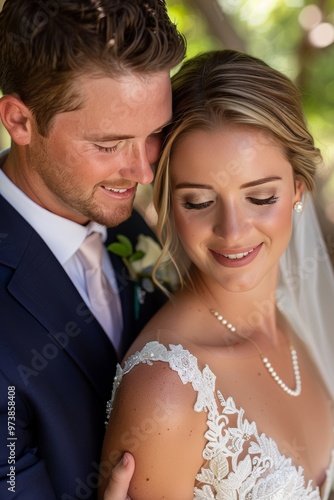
(196, 206)
(256, 201)
(266, 201)
(111, 149)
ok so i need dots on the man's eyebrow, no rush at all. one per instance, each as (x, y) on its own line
(258, 182)
(108, 138)
(121, 137)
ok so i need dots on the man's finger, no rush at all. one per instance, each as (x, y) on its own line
(120, 478)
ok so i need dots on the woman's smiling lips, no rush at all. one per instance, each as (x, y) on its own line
(238, 258)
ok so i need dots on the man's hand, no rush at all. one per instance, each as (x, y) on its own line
(120, 478)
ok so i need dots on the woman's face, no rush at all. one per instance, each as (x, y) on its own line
(233, 194)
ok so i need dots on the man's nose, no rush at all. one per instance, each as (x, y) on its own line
(137, 166)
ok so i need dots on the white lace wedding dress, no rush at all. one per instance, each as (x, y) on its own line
(230, 473)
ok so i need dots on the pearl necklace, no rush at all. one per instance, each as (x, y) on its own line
(298, 383)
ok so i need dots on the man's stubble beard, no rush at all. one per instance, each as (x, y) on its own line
(88, 207)
(64, 189)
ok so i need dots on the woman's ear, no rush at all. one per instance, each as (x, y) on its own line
(16, 118)
(300, 189)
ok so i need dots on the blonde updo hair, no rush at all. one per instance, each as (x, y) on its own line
(228, 87)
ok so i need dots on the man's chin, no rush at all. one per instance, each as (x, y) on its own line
(114, 219)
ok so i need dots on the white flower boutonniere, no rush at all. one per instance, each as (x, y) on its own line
(140, 262)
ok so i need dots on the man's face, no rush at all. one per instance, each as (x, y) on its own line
(90, 164)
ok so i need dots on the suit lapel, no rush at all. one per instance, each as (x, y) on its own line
(43, 288)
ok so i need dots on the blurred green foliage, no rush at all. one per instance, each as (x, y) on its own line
(193, 25)
(271, 31)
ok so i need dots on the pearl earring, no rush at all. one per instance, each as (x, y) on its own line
(298, 206)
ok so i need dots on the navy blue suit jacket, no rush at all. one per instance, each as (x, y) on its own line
(56, 366)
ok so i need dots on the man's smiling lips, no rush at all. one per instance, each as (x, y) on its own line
(121, 193)
(238, 258)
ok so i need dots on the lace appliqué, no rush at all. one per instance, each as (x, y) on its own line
(241, 464)
(184, 363)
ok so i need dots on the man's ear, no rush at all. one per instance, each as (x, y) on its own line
(16, 118)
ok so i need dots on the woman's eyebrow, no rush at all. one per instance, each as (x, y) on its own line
(260, 181)
(257, 182)
(183, 185)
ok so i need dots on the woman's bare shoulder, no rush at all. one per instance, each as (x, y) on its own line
(153, 418)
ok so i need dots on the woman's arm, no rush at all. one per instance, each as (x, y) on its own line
(153, 419)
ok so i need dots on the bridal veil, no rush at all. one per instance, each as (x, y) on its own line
(306, 289)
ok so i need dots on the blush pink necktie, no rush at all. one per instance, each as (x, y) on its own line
(100, 293)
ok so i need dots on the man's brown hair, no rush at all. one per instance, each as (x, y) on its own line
(45, 45)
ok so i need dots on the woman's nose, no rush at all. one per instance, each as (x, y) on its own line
(231, 223)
